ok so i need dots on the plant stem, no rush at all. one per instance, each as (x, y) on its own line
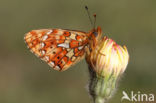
(101, 88)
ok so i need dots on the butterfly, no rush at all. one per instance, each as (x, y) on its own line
(61, 48)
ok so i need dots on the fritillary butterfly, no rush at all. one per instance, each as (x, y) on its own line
(61, 48)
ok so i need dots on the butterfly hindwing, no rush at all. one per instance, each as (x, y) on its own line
(59, 48)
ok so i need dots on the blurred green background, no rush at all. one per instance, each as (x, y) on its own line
(26, 79)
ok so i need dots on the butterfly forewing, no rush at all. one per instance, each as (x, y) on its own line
(59, 48)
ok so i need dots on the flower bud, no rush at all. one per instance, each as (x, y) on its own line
(107, 61)
(109, 58)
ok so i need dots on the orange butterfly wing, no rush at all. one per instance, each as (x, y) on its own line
(59, 48)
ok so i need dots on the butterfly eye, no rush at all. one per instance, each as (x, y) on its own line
(95, 34)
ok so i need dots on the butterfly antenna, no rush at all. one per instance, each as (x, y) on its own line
(86, 7)
(94, 21)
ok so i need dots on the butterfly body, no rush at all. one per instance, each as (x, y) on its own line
(61, 48)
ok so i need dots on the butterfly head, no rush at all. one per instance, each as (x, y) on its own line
(95, 34)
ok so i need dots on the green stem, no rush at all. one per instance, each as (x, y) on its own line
(101, 88)
(99, 100)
